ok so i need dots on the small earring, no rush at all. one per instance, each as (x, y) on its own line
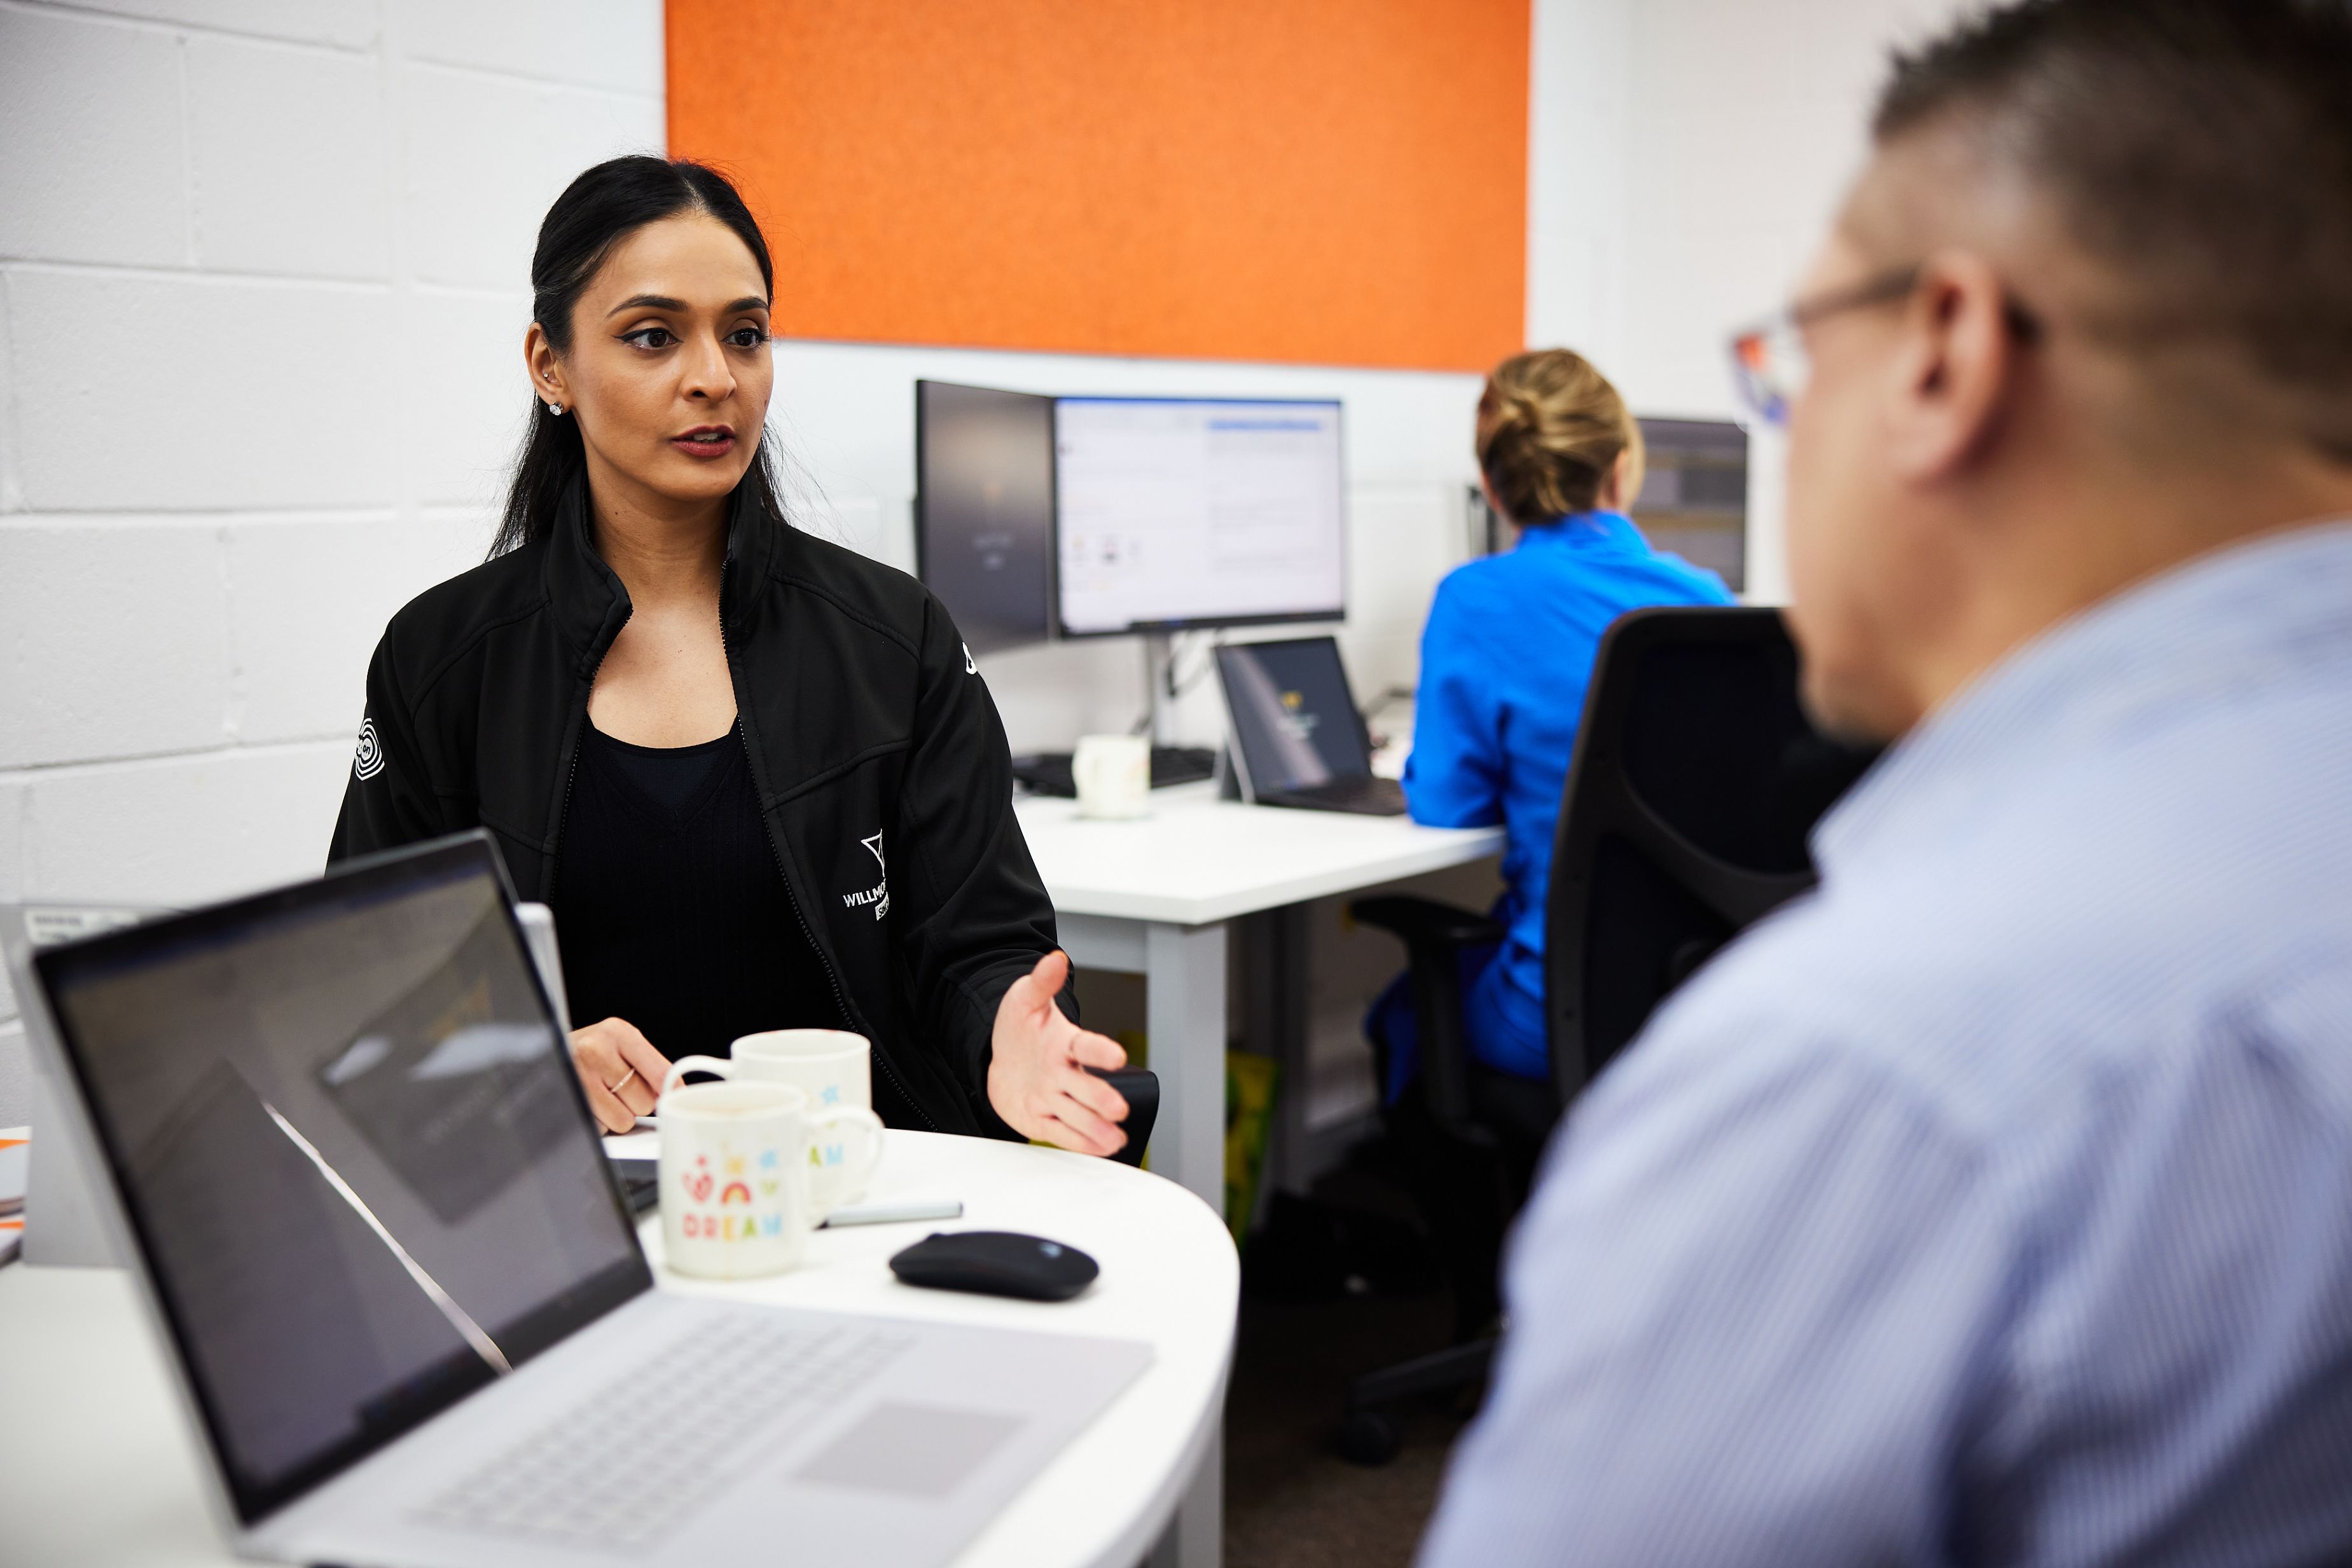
(556, 409)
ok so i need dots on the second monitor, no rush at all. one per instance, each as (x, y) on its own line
(984, 509)
(1184, 512)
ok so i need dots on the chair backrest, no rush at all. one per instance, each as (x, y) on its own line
(1695, 780)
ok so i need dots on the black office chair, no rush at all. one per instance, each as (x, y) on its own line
(1695, 780)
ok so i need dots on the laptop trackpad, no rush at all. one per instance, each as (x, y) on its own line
(917, 1451)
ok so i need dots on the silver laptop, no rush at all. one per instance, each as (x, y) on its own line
(66, 1173)
(402, 1295)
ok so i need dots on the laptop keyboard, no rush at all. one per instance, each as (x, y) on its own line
(1367, 796)
(617, 1470)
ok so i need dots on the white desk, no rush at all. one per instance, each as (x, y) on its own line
(96, 1466)
(1152, 897)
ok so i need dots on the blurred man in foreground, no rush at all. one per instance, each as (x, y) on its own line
(1994, 1203)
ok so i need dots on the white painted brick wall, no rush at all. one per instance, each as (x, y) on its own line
(263, 281)
(483, 156)
(12, 866)
(114, 635)
(180, 829)
(298, 190)
(350, 24)
(618, 47)
(169, 392)
(291, 651)
(460, 369)
(93, 120)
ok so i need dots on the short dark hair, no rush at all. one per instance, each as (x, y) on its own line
(2201, 149)
(597, 211)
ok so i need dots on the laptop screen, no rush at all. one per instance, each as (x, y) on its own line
(354, 1153)
(1293, 715)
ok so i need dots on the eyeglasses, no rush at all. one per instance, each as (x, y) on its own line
(1769, 361)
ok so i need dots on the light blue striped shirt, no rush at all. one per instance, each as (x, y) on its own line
(1994, 1203)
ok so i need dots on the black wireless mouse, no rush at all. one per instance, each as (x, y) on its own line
(996, 1263)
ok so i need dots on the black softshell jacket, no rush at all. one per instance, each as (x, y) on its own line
(879, 761)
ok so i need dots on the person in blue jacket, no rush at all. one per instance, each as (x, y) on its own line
(1504, 659)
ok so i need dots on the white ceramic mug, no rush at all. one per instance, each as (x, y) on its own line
(830, 1067)
(1114, 776)
(734, 1178)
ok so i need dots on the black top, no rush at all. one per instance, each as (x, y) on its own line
(875, 751)
(668, 906)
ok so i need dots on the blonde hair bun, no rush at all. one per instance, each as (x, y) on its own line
(1550, 428)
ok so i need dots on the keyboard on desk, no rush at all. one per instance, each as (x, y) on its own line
(1048, 772)
(693, 1412)
(1368, 796)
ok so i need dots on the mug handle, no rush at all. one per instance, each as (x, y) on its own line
(686, 1064)
(860, 1167)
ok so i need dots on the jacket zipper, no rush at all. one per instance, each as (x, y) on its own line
(571, 778)
(563, 811)
(808, 935)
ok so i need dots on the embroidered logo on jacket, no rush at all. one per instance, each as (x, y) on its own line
(878, 896)
(368, 761)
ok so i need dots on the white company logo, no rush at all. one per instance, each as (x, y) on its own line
(368, 761)
(878, 896)
(969, 668)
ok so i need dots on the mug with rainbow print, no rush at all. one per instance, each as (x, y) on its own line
(735, 1198)
(832, 1067)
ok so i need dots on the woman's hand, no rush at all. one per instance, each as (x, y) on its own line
(1037, 1076)
(620, 1069)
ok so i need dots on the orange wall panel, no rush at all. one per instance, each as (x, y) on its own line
(1338, 182)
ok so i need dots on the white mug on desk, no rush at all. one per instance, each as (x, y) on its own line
(1113, 773)
(734, 1178)
(830, 1067)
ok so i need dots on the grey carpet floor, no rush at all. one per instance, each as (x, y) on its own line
(1290, 1500)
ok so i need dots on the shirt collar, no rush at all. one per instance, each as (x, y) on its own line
(1583, 530)
(2246, 616)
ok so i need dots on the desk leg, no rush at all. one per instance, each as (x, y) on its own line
(1184, 974)
(1196, 1536)
(1276, 978)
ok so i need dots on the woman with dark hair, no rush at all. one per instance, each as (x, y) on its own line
(757, 775)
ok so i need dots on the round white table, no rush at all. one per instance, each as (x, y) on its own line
(96, 1466)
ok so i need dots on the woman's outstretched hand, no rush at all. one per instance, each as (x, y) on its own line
(621, 1071)
(1037, 1076)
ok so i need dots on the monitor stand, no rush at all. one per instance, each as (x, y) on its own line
(1159, 687)
(1170, 763)
(1048, 772)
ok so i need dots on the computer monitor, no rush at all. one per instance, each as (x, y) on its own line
(1186, 512)
(985, 510)
(1694, 501)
